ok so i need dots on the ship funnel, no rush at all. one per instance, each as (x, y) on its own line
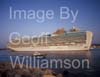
(74, 29)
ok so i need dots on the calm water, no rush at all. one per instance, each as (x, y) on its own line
(93, 56)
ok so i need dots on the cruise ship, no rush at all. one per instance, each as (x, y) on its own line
(60, 40)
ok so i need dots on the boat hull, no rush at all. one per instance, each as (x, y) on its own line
(75, 47)
(50, 48)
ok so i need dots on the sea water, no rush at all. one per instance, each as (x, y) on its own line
(65, 60)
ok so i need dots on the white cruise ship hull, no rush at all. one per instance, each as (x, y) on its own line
(85, 46)
(50, 48)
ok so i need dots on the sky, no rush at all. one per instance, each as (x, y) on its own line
(88, 17)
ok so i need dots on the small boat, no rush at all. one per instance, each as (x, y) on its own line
(38, 54)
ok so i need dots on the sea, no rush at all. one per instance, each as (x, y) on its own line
(86, 62)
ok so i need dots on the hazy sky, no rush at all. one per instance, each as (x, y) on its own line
(88, 17)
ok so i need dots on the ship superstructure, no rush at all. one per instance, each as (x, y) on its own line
(61, 40)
